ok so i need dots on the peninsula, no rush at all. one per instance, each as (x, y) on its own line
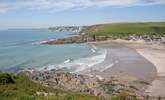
(150, 32)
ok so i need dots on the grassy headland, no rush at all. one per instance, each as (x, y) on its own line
(148, 31)
(126, 29)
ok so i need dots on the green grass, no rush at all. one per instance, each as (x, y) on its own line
(21, 88)
(126, 29)
(123, 96)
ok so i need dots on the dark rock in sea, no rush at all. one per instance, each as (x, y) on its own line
(70, 40)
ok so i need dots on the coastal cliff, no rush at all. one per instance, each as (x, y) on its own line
(151, 32)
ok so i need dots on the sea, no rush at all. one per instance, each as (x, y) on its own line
(21, 49)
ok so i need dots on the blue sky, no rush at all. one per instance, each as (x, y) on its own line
(45, 13)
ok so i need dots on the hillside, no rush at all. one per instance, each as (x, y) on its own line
(126, 29)
(21, 88)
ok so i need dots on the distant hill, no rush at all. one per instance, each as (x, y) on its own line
(126, 29)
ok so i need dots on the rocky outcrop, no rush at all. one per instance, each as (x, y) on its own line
(70, 40)
(67, 81)
(79, 83)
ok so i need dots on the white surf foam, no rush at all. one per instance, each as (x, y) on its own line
(67, 61)
(107, 67)
(86, 63)
(41, 42)
(80, 64)
(93, 50)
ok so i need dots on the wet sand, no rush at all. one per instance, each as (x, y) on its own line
(124, 61)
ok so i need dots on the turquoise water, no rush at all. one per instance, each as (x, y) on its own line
(17, 49)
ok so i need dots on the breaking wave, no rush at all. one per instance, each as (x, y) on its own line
(81, 64)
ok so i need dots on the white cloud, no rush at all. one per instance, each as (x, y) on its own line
(61, 5)
(4, 8)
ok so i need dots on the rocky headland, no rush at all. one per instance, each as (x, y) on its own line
(149, 32)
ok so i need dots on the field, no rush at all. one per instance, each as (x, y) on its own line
(127, 29)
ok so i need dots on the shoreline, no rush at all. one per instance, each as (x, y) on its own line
(157, 57)
(127, 63)
(155, 54)
(115, 69)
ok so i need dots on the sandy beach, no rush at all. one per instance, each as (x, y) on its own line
(134, 61)
(157, 57)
